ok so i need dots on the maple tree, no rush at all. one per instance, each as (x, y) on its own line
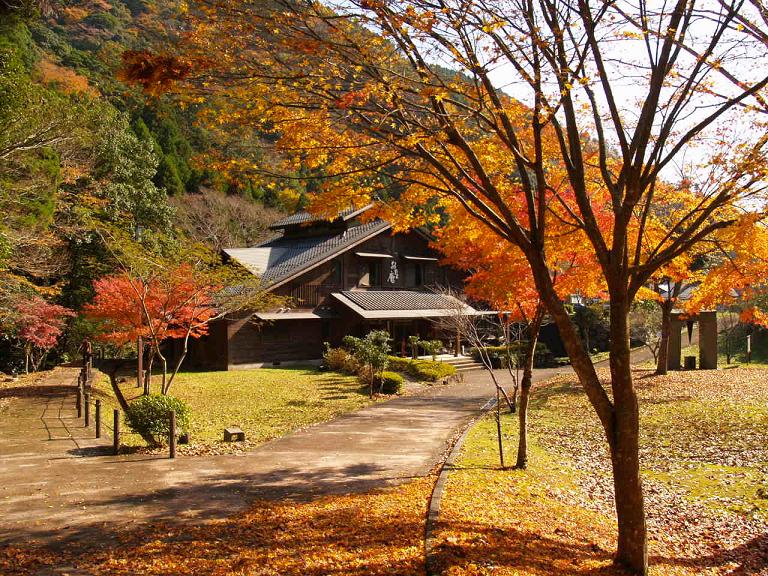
(38, 325)
(352, 87)
(499, 274)
(160, 298)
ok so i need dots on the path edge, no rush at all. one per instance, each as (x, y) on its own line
(435, 499)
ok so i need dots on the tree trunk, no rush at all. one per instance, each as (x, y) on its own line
(662, 361)
(525, 389)
(620, 418)
(148, 373)
(178, 364)
(632, 551)
(498, 429)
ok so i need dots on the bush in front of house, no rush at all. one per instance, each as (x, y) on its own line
(391, 382)
(431, 371)
(431, 347)
(340, 360)
(542, 357)
(398, 364)
(371, 353)
(422, 370)
(149, 416)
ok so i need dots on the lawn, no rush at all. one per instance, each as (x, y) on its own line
(266, 403)
(705, 465)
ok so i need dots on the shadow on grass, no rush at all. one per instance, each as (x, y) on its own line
(355, 535)
(541, 395)
(540, 554)
(531, 553)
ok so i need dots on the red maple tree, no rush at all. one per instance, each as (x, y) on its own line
(39, 324)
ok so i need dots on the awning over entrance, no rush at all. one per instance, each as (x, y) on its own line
(402, 304)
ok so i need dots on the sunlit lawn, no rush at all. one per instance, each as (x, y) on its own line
(704, 454)
(265, 403)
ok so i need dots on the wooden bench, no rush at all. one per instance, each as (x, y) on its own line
(234, 434)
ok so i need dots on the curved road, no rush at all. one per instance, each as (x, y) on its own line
(56, 484)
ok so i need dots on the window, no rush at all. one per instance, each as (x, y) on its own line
(374, 274)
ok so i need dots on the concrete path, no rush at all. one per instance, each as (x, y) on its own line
(56, 483)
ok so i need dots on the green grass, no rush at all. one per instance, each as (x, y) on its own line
(266, 403)
(704, 434)
(739, 359)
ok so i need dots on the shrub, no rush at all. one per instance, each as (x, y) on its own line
(148, 416)
(431, 371)
(413, 343)
(391, 382)
(340, 360)
(398, 364)
(424, 370)
(542, 357)
(431, 347)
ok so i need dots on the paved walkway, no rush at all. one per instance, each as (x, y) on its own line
(56, 484)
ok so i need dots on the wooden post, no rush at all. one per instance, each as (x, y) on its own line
(172, 435)
(116, 429)
(87, 409)
(79, 402)
(140, 356)
(98, 418)
(458, 343)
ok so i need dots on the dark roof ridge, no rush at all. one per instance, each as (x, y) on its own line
(304, 217)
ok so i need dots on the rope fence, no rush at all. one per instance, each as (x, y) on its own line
(88, 406)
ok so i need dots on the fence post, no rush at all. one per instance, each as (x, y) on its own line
(116, 429)
(172, 435)
(79, 402)
(98, 418)
(87, 409)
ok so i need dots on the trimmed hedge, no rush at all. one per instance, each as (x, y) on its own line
(424, 370)
(149, 416)
(391, 382)
(542, 357)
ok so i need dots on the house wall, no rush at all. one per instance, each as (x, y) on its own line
(270, 342)
(351, 272)
(209, 351)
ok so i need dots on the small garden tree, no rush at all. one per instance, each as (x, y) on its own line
(371, 353)
(645, 321)
(39, 325)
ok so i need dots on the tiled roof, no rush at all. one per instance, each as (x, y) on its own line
(282, 258)
(306, 218)
(401, 300)
(403, 305)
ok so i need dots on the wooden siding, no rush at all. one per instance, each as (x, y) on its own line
(278, 341)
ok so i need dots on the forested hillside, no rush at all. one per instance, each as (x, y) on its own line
(82, 152)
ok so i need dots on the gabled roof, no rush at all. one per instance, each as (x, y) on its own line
(301, 218)
(282, 259)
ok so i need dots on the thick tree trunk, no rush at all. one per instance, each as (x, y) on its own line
(632, 549)
(666, 328)
(525, 389)
(620, 418)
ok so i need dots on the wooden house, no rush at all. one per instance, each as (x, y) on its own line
(341, 277)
